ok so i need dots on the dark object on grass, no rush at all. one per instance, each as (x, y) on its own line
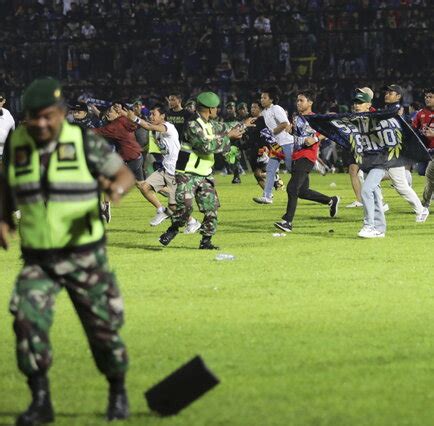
(331, 231)
(181, 388)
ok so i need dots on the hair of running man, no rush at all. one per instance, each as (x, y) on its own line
(273, 93)
(308, 94)
(160, 108)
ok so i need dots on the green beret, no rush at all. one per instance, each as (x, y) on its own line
(208, 99)
(241, 105)
(42, 93)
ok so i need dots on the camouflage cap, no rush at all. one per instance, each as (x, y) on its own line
(242, 105)
(230, 104)
(42, 93)
(362, 97)
(208, 99)
(366, 90)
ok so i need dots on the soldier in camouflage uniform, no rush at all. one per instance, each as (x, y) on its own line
(53, 172)
(204, 137)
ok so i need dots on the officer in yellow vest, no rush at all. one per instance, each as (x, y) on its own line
(53, 172)
(203, 137)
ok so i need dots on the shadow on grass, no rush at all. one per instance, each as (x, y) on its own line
(335, 219)
(259, 227)
(185, 248)
(254, 227)
(82, 415)
(327, 234)
(102, 416)
(124, 231)
(149, 247)
(135, 246)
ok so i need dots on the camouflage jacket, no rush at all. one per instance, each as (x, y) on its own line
(195, 136)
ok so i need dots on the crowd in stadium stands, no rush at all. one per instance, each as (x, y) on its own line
(121, 48)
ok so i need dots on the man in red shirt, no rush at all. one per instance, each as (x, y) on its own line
(424, 122)
(306, 146)
(121, 132)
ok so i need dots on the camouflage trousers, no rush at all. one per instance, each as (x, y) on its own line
(95, 295)
(199, 188)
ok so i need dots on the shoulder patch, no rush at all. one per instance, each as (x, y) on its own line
(67, 152)
(22, 156)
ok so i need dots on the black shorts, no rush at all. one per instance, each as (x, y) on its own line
(347, 158)
(136, 167)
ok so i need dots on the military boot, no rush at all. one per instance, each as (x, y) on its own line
(206, 244)
(40, 410)
(168, 236)
(118, 408)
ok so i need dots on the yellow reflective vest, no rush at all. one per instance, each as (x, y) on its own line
(59, 209)
(190, 161)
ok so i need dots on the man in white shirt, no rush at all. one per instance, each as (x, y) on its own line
(167, 139)
(7, 123)
(277, 121)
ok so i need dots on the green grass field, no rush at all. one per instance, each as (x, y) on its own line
(317, 328)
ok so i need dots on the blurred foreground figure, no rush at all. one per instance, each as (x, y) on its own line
(53, 172)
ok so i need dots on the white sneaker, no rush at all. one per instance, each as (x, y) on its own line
(263, 200)
(354, 204)
(368, 232)
(158, 218)
(17, 214)
(192, 227)
(385, 207)
(422, 217)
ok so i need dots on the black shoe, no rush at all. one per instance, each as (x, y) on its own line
(236, 180)
(334, 204)
(168, 236)
(118, 408)
(40, 410)
(283, 225)
(206, 244)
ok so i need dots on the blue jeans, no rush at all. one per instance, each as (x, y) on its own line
(373, 201)
(273, 167)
